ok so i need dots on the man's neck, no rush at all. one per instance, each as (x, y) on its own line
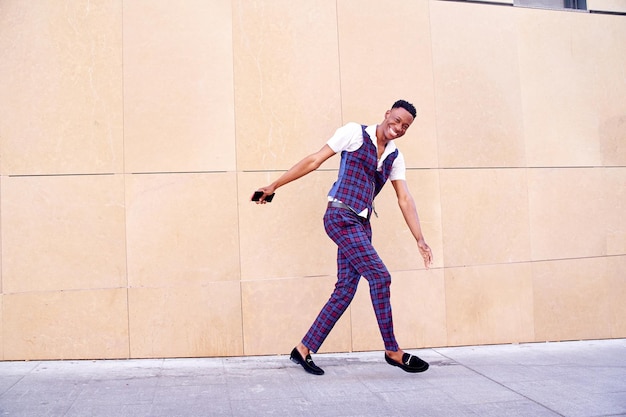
(380, 138)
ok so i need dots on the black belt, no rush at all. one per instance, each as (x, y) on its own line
(339, 204)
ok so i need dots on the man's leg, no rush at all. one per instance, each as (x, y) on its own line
(354, 238)
(345, 288)
(340, 299)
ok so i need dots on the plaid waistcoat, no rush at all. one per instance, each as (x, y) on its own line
(359, 181)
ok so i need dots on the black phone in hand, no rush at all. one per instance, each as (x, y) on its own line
(258, 194)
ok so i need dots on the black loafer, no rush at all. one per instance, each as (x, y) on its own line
(307, 363)
(410, 363)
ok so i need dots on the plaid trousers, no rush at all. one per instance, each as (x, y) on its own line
(356, 258)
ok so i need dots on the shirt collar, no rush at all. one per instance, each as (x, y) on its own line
(391, 146)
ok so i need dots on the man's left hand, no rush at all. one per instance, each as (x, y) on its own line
(427, 254)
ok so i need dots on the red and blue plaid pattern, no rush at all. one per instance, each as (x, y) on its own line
(356, 257)
(359, 181)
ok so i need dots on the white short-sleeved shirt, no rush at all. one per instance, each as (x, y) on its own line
(350, 138)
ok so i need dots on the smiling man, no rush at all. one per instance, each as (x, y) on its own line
(369, 157)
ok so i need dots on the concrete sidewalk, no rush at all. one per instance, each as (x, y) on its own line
(586, 378)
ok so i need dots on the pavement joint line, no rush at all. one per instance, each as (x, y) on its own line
(500, 384)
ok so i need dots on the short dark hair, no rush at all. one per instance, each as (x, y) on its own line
(403, 104)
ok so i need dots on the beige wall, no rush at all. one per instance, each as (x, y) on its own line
(607, 5)
(134, 132)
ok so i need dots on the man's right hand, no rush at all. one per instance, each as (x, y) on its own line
(268, 190)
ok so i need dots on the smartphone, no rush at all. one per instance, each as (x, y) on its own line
(258, 194)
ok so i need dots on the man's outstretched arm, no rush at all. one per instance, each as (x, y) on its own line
(409, 211)
(305, 166)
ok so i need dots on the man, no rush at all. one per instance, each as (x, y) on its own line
(369, 157)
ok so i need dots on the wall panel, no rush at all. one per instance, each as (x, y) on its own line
(61, 83)
(557, 68)
(286, 70)
(385, 55)
(182, 229)
(477, 86)
(572, 299)
(89, 324)
(568, 213)
(489, 304)
(608, 50)
(186, 321)
(485, 216)
(616, 272)
(178, 86)
(614, 189)
(63, 233)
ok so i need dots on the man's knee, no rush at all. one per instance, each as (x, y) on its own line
(344, 292)
(381, 280)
